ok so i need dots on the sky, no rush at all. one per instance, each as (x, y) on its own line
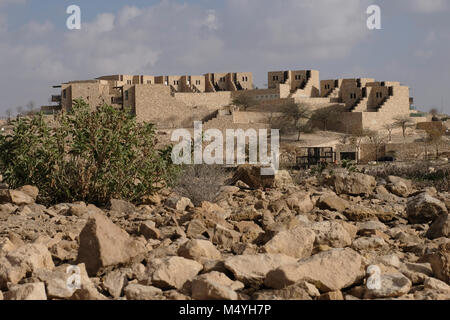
(165, 37)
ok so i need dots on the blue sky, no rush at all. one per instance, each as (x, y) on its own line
(195, 37)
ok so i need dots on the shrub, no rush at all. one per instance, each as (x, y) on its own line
(201, 182)
(85, 155)
(421, 174)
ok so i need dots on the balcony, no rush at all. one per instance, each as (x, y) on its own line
(56, 98)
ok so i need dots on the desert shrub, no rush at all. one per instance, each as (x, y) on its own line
(422, 174)
(201, 182)
(85, 155)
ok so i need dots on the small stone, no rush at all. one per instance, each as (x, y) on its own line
(140, 292)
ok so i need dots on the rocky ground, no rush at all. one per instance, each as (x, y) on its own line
(262, 238)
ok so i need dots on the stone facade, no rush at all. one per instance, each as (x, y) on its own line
(361, 103)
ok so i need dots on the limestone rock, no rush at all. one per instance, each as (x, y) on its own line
(172, 272)
(199, 250)
(135, 291)
(440, 228)
(179, 203)
(114, 282)
(215, 286)
(122, 206)
(29, 291)
(31, 191)
(20, 198)
(300, 202)
(398, 186)
(252, 269)
(367, 243)
(440, 262)
(331, 233)
(225, 237)
(297, 242)
(26, 258)
(329, 271)
(332, 202)
(149, 230)
(353, 183)
(392, 286)
(294, 292)
(103, 244)
(423, 208)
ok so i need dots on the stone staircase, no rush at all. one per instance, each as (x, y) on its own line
(360, 105)
(333, 93)
(384, 106)
(302, 92)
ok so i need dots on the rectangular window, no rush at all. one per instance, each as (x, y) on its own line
(128, 81)
(64, 93)
(126, 95)
(149, 81)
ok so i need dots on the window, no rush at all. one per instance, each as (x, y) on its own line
(198, 82)
(128, 81)
(275, 78)
(149, 81)
(64, 93)
(126, 95)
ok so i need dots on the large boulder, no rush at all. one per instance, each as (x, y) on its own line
(423, 208)
(172, 272)
(103, 244)
(329, 271)
(252, 269)
(297, 242)
(353, 183)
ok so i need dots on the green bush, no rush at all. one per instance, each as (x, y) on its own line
(85, 155)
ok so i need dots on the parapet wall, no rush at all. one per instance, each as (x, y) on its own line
(212, 100)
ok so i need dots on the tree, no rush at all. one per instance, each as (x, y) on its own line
(30, 106)
(294, 116)
(434, 137)
(244, 101)
(434, 112)
(8, 114)
(357, 139)
(376, 140)
(324, 117)
(389, 127)
(19, 110)
(403, 122)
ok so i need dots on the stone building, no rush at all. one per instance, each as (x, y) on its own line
(355, 104)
